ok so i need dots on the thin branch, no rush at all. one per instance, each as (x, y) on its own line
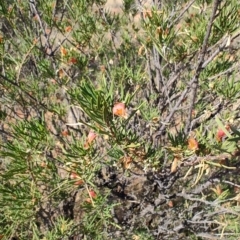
(220, 49)
(182, 13)
(213, 204)
(157, 68)
(18, 86)
(199, 66)
(233, 184)
(174, 109)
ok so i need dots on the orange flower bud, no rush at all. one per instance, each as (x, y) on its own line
(63, 51)
(192, 144)
(72, 60)
(68, 29)
(65, 133)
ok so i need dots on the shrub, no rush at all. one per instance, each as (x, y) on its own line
(119, 123)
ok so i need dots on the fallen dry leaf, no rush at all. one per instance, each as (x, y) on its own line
(174, 165)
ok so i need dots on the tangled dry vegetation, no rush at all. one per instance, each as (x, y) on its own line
(119, 124)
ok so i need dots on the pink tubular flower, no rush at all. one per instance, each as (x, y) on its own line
(119, 109)
(92, 195)
(90, 138)
(76, 177)
(221, 134)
